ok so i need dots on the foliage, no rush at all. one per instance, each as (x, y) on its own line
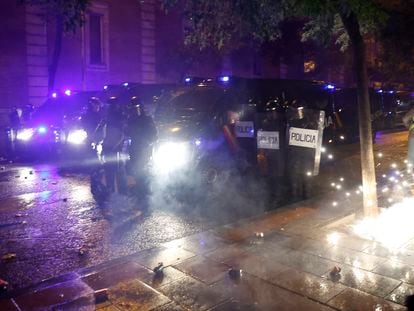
(222, 24)
(226, 23)
(70, 12)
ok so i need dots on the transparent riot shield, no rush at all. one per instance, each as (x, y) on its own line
(271, 152)
(245, 134)
(304, 142)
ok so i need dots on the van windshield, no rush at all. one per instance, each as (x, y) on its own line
(199, 102)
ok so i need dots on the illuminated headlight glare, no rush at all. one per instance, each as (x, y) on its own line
(24, 134)
(77, 137)
(171, 156)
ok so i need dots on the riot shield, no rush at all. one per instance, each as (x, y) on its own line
(304, 142)
(245, 134)
(271, 151)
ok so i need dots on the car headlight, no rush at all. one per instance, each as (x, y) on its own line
(25, 134)
(77, 137)
(171, 156)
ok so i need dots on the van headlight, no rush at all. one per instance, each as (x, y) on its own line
(170, 156)
(77, 137)
(25, 134)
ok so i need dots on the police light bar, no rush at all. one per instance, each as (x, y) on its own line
(224, 79)
(42, 129)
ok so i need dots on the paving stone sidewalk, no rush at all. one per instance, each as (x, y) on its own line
(285, 256)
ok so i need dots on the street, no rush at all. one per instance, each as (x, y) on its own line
(50, 224)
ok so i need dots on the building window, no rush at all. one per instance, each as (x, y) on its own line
(96, 44)
(95, 39)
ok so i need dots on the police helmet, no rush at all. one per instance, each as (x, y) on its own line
(94, 102)
(273, 105)
(136, 105)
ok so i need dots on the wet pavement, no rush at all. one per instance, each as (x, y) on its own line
(281, 268)
(50, 225)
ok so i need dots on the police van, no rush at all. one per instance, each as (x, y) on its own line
(52, 126)
(216, 119)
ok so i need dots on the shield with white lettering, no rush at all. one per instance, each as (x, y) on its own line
(268, 139)
(244, 129)
(304, 138)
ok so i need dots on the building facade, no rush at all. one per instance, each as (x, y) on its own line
(135, 41)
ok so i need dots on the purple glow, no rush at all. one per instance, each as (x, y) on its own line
(187, 80)
(224, 79)
(105, 87)
(42, 129)
(329, 87)
(198, 142)
(54, 94)
(68, 92)
(125, 84)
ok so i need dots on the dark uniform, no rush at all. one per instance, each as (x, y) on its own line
(142, 132)
(15, 118)
(113, 139)
(92, 121)
(272, 161)
(301, 160)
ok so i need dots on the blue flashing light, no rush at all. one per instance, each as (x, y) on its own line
(42, 129)
(329, 87)
(54, 95)
(105, 87)
(187, 80)
(391, 92)
(125, 84)
(224, 79)
(198, 142)
(380, 91)
(68, 92)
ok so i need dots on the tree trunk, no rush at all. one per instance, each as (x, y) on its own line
(369, 186)
(56, 53)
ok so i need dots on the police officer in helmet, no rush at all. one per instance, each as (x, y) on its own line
(142, 131)
(272, 161)
(112, 144)
(92, 120)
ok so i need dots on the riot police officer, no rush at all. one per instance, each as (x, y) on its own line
(300, 161)
(272, 121)
(142, 132)
(113, 139)
(92, 121)
(93, 116)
